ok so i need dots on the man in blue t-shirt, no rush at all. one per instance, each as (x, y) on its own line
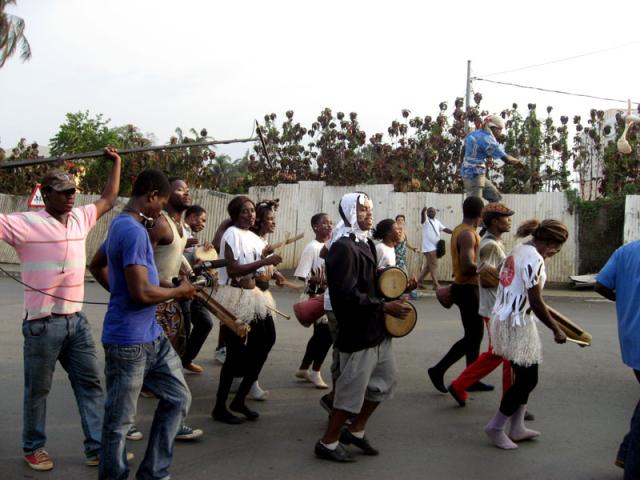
(136, 350)
(619, 281)
(480, 145)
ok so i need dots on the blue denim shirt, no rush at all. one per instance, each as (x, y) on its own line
(478, 146)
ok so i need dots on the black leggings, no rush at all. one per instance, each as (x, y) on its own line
(526, 379)
(466, 298)
(317, 347)
(245, 360)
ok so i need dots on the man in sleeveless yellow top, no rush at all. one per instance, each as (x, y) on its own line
(169, 239)
(465, 243)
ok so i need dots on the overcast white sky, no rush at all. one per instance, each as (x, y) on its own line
(200, 63)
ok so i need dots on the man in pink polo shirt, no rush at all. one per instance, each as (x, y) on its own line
(51, 248)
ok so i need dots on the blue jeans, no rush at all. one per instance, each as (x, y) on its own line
(629, 451)
(64, 338)
(127, 367)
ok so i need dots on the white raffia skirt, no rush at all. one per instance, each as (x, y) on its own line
(247, 305)
(519, 344)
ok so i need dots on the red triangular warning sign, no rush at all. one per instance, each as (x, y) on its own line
(36, 200)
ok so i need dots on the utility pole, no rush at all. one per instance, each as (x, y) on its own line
(467, 98)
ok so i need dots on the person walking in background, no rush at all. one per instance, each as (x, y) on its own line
(403, 244)
(311, 271)
(496, 218)
(432, 229)
(465, 243)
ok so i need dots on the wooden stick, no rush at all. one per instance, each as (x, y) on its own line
(287, 241)
(278, 312)
(100, 153)
(578, 342)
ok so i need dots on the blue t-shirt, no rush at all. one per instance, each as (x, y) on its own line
(622, 274)
(478, 146)
(128, 322)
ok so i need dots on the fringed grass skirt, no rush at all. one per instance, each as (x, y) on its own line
(519, 344)
(247, 305)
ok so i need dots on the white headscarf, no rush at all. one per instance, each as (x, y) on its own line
(349, 213)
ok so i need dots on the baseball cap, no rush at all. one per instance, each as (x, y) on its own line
(58, 181)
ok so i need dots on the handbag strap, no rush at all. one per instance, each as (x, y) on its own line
(434, 228)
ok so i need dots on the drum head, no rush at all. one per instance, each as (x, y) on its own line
(399, 327)
(392, 282)
(206, 255)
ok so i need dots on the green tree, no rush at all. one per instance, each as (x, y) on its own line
(12, 35)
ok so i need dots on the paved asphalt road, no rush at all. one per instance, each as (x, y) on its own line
(583, 405)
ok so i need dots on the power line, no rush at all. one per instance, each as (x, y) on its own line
(561, 92)
(560, 60)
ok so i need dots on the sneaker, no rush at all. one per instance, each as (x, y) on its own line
(340, 454)
(134, 434)
(348, 438)
(257, 393)
(303, 375)
(315, 378)
(187, 433)
(95, 460)
(39, 460)
(220, 355)
(193, 367)
(413, 294)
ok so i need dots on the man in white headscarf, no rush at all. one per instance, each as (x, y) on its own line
(366, 364)
(480, 145)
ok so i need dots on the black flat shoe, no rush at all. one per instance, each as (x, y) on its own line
(363, 444)
(481, 387)
(437, 380)
(242, 409)
(340, 454)
(225, 416)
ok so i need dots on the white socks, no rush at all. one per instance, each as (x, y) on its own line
(518, 431)
(495, 431)
(359, 435)
(331, 446)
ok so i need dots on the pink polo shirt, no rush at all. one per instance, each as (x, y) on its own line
(52, 257)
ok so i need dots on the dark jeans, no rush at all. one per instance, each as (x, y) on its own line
(525, 380)
(317, 347)
(198, 323)
(245, 360)
(64, 338)
(466, 298)
(629, 451)
(127, 367)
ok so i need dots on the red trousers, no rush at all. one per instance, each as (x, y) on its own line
(486, 363)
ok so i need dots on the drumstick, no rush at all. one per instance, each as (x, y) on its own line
(287, 241)
(278, 312)
(578, 342)
(291, 285)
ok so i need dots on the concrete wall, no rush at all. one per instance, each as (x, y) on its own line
(298, 202)
(632, 218)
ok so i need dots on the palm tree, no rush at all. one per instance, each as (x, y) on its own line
(12, 35)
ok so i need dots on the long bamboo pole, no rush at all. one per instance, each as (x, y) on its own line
(100, 153)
